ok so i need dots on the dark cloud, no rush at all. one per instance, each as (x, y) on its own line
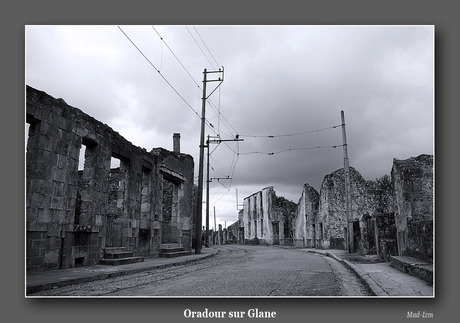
(279, 80)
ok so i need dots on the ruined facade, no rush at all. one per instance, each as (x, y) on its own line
(413, 191)
(390, 215)
(371, 209)
(332, 218)
(305, 221)
(72, 216)
(268, 219)
(236, 230)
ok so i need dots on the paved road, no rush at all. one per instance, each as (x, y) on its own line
(237, 270)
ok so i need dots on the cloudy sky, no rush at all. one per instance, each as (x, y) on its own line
(283, 91)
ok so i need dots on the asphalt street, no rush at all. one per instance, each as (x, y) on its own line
(236, 270)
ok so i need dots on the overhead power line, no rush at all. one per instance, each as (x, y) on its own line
(290, 148)
(201, 49)
(286, 150)
(177, 58)
(220, 115)
(164, 78)
(291, 134)
(206, 46)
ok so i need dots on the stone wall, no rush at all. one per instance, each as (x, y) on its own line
(390, 215)
(368, 200)
(72, 216)
(413, 189)
(331, 225)
(385, 230)
(305, 221)
(268, 219)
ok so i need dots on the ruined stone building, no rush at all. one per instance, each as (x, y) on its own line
(236, 230)
(366, 203)
(73, 216)
(332, 219)
(268, 219)
(413, 192)
(305, 220)
(391, 215)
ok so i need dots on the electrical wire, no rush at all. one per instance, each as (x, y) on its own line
(217, 110)
(220, 115)
(199, 47)
(206, 46)
(175, 56)
(291, 134)
(286, 150)
(164, 78)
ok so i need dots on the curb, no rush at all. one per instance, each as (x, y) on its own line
(363, 277)
(81, 280)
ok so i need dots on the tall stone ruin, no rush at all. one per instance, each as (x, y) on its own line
(72, 215)
(413, 189)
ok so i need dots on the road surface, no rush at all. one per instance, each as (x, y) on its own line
(236, 270)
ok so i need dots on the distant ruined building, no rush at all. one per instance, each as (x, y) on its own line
(305, 221)
(367, 201)
(78, 218)
(391, 215)
(268, 219)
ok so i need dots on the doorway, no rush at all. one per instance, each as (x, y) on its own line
(276, 233)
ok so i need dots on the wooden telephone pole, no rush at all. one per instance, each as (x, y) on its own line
(199, 206)
(349, 214)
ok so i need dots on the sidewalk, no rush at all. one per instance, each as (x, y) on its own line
(38, 281)
(381, 278)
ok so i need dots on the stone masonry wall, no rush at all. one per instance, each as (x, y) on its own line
(305, 222)
(413, 188)
(268, 218)
(332, 217)
(367, 200)
(72, 216)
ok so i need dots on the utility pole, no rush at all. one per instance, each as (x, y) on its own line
(217, 140)
(347, 187)
(199, 206)
(207, 196)
(237, 205)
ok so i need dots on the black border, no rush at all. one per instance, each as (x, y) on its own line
(441, 14)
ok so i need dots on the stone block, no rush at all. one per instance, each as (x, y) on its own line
(57, 202)
(62, 161)
(43, 172)
(98, 219)
(36, 227)
(64, 124)
(35, 261)
(145, 207)
(59, 175)
(57, 216)
(31, 214)
(44, 215)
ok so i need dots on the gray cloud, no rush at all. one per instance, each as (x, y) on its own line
(278, 80)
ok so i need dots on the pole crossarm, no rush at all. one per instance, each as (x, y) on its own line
(220, 80)
(218, 141)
